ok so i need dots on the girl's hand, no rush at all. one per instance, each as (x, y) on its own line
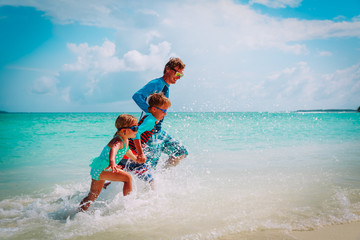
(114, 168)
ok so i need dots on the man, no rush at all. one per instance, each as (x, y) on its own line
(160, 141)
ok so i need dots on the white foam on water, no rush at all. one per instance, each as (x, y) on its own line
(245, 172)
(196, 200)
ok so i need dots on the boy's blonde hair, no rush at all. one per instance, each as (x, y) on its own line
(158, 99)
(125, 120)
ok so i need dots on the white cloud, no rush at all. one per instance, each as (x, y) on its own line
(213, 43)
(356, 18)
(149, 12)
(113, 14)
(277, 3)
(45, 85)
(292, 88)
(342, 84)
(97, 61)
(65, 94)
(95, 58)
(151, 35)
(325, 53)
(102, 59)
(301, 84)
(286, 88)
(136, 61)
(235, 26)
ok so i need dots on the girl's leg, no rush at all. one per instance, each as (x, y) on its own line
(95, 189)
(121, 176)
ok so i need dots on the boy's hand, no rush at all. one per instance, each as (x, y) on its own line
(141, 158)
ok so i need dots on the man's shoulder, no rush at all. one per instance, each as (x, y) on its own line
(156, 80)
(154, 85)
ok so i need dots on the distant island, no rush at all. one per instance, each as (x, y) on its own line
(330, 110)
(311, 110)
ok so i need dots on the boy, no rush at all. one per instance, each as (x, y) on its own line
(158, 106)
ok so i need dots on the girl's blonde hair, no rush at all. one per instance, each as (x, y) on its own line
(125, 120)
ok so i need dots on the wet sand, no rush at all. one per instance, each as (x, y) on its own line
(349, 231)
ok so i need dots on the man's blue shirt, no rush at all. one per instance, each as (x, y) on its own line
(156, 85)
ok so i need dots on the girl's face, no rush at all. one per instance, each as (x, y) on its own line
(131, 130)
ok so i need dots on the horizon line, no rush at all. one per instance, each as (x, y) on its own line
(283, 111)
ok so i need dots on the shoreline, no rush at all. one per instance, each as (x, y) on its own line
(346, 231)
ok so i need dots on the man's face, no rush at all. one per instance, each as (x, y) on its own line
(174, 74)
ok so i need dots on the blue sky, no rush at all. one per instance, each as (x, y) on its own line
(256, 55)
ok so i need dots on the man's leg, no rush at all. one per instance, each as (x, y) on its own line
(174, 149)
(174, 161)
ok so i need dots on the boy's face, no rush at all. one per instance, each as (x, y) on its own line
(159, 112)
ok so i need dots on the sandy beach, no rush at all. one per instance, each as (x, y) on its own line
(349, 231)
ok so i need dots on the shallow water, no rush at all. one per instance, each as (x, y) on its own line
(245, 172)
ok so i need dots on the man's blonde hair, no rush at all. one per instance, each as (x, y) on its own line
(173, 63)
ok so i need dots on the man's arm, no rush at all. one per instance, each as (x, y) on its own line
(140, 96)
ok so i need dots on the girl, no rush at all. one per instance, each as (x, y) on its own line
(105, 166)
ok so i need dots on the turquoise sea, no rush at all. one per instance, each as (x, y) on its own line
(246, 172)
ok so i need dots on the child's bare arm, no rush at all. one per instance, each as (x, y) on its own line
(141, 158)
(131, 155)
(113, 150)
